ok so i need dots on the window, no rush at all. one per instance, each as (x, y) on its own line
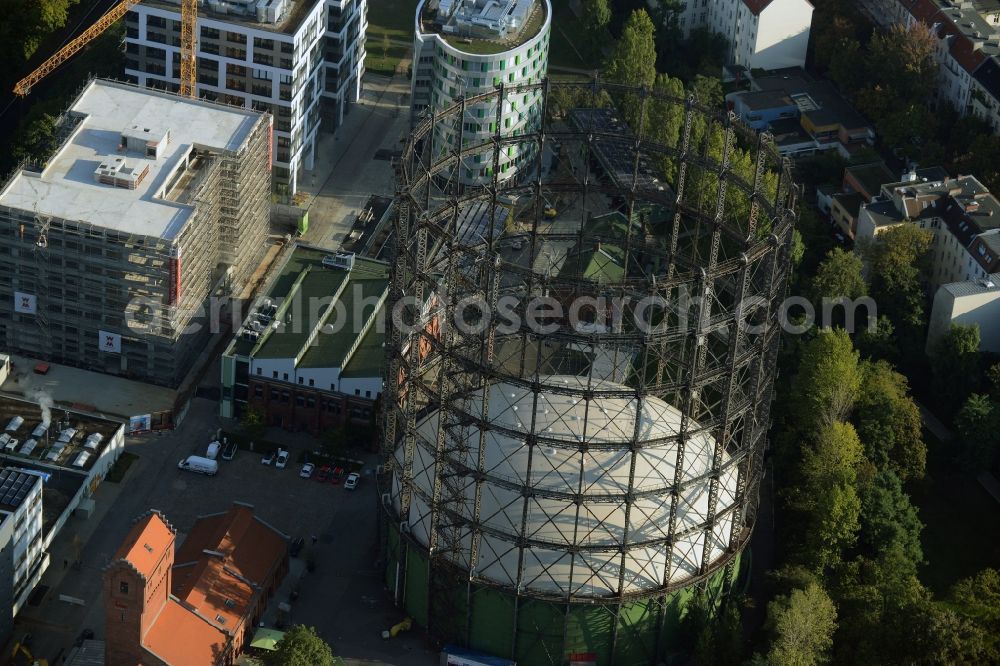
(302, 380)
(123, 587)
(258, 390)
(368, 394)
(274, 373)
(260, 371)
(312, 382)
(357, 391)
(285, 376)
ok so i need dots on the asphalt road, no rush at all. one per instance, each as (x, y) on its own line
(344, 598)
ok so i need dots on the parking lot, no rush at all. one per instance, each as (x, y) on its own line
(344, 598)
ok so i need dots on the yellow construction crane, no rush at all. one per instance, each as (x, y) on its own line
(189, 20)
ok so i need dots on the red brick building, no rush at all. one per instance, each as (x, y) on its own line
(306, 409)
(197, 606)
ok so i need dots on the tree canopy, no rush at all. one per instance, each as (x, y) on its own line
(803, 623)
(889, 423)
(300, 646)
(828, 381)
(955, 365)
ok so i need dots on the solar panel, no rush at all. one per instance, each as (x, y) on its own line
(14, 487)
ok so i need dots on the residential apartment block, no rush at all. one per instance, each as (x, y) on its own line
(762, 34)
(973, 302)
(967, 53)
(310, 355)
(961, 213)
(150, 204)
(466, 47)
(300, 60)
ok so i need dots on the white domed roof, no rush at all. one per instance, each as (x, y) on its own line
(557, 471)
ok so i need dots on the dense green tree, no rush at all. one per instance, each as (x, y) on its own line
(889, 423)
(300, 646)
(839, 276)
(954, 361)
(898, 265)
(828, 381)
(720, 642)
(901, 59)
(803, 624)
(26, 24)
(596, 16)
(633, 62)
(702, 52)
(253, 423)
(888, 518)
(933, 634)
(708, 91)
(879, 342)
(993, 377)
(978, 598)
(37, 141)
(978, 426)
(665, 120)
(828, 495)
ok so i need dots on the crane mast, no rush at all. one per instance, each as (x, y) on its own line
(189, 20)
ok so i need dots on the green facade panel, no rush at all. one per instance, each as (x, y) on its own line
(547, 632)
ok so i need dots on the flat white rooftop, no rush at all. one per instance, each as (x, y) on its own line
(67, 187)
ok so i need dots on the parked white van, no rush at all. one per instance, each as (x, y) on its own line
(200, 465)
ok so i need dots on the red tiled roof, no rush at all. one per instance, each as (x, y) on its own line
(181, 638)
(961, 48)
(247, 550)
(757, 6)
(250, 547)
(922, 10)
(146, 543)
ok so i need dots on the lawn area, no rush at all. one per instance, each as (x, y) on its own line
(570, 45)
(376, 63)
(394, 17)
(962, 522)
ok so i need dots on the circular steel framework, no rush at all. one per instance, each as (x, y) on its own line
(580, 363)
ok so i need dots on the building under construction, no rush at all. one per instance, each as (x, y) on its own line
(150, 204)
(579, 378)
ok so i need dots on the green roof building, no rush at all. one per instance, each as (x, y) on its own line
(309, 354)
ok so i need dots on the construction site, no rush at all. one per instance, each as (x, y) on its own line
(151, 204)
(557, 487)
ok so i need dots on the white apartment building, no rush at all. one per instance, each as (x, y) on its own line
(467, 47)
(961, 213)
(762, 34)
(968, 34)
(984, 98)
(974, 302)
(301, 60)
(21, 531)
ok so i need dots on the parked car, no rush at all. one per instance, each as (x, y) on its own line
(352, 481)
(307, 470)
(282, 459)
(323, 474)
(200, 465)
(267, 458)
(229, 452)
(338, 475)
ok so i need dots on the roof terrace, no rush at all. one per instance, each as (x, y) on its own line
(483, 27)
